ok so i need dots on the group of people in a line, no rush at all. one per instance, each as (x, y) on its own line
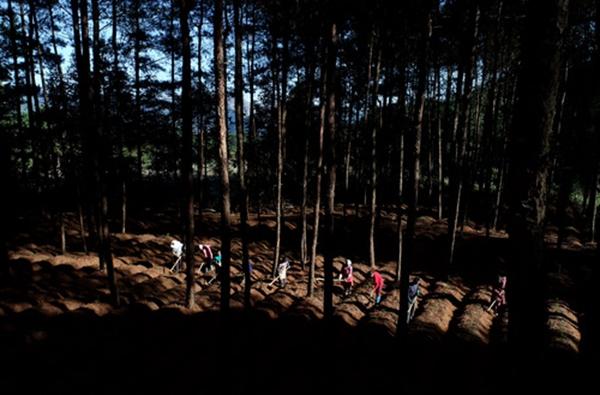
(346, 277)
(212, 263)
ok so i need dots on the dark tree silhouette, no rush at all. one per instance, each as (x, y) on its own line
(526, 182)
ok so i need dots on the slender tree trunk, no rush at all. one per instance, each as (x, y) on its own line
(81, 221)
(95, 146)
(116, 123)
(219, 57)
(187, 172)
(201, 132)
(373, 197)
(239, 125)
(505, 164)
(36, 37)
(430, 142)
(281, 132)
(29, 89)
(6, 215)
(593, 207)
(90, 110)
(17, 80)
(137, 97)
(402, 128)
(439, 146)
(502, 170)
(100, 156)
(253, 157)
(28, 86)
(172, 164)
(307, 126)
(317, 209)
(490, 118)
(414, 153)
(33, 107)
(44, 154)
(331, 168)
(459, 168)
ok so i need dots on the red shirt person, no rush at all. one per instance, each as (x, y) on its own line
(378, 286)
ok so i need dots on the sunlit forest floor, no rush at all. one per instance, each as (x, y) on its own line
(59, 333)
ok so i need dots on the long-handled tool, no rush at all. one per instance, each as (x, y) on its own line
(335, 280)
(411, 311)
(177, 262)
(213, 278)
(200, 268)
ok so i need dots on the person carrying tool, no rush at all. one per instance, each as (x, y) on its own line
(498, 295)
(347, 277)
(216, 266)
(207, 258)
(282, 272)
(177, 250)
(413, 294)
(377, 286)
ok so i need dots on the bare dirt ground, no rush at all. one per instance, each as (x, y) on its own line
(59, 333)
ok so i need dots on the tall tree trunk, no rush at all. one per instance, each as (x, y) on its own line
(281, 132)
(201, 127)
(62, 144)
(310, 70)
(219, 57)
(17, 81)
(33, 21)
(439, 146)
(116, 123)
(401, 148)
(413, 156)
(373, 196)
(173, 166)
(504, 163)
(331, 168)
(490, 117)
(81, 220)
(102, 152)
(430, 142)
(187, 171)
(89, 109)
(33, 106)
(239, 125)
(459, 168)
(28, 86)
(532, 126)
(94, 101)
(317, 209)
(137, 98)
(593, 208)
(253, 157)
(502, 170)
(44, 154)
(368, 109)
